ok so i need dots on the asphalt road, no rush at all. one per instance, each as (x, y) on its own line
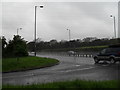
(70, 68)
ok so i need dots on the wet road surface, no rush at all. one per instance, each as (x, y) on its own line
(70, 68)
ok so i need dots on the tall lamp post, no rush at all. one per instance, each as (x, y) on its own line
(18, 30)
(41, 6)
(69, 34)
(114, 24)
(69, 37)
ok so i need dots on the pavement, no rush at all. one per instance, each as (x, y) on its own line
(70, 68)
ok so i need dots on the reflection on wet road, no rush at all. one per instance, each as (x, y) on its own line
(70, 68)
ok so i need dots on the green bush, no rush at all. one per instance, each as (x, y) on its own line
(15, 48)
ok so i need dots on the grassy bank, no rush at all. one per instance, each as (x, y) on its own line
(71, 84)
(25, 63)
(87, 48)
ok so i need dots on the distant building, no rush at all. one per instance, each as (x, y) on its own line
(53, 41)
(89, 39)
(105, 39)
(63, 41)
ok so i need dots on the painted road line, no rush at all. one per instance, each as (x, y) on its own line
(77, 65)
(32, 74)
(78, 69)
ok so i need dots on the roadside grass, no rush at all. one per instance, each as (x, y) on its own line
(25, 63)
(87, 48)
(94, 47)
(71, 84)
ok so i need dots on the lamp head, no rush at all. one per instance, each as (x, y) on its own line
(41, 6)
(20, 28)
(111, 16)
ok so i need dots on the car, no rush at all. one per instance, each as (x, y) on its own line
(112, 54)
(71, 53)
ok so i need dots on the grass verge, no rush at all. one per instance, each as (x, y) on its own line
(70, 84)
(87, 48)
(26, 63)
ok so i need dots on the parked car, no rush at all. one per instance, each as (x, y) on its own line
(71, 53)
(112, 54)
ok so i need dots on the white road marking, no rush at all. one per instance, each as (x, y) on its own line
(77, 65)
(32, 74)
(78, 69)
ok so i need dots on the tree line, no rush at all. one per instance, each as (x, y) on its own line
(54, 44)
(18, 47)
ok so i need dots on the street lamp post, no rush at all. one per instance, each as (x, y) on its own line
(35, 29)
(69, 34)
(18, 30)
(69, 37)
(114, 24)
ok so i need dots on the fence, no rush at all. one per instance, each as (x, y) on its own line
(82, 55)
(89, 55)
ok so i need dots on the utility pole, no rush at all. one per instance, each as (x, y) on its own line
(114, 25)
(18, 30)
(35, 29)
(69, 34)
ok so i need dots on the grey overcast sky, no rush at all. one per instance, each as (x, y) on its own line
(84, 19)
